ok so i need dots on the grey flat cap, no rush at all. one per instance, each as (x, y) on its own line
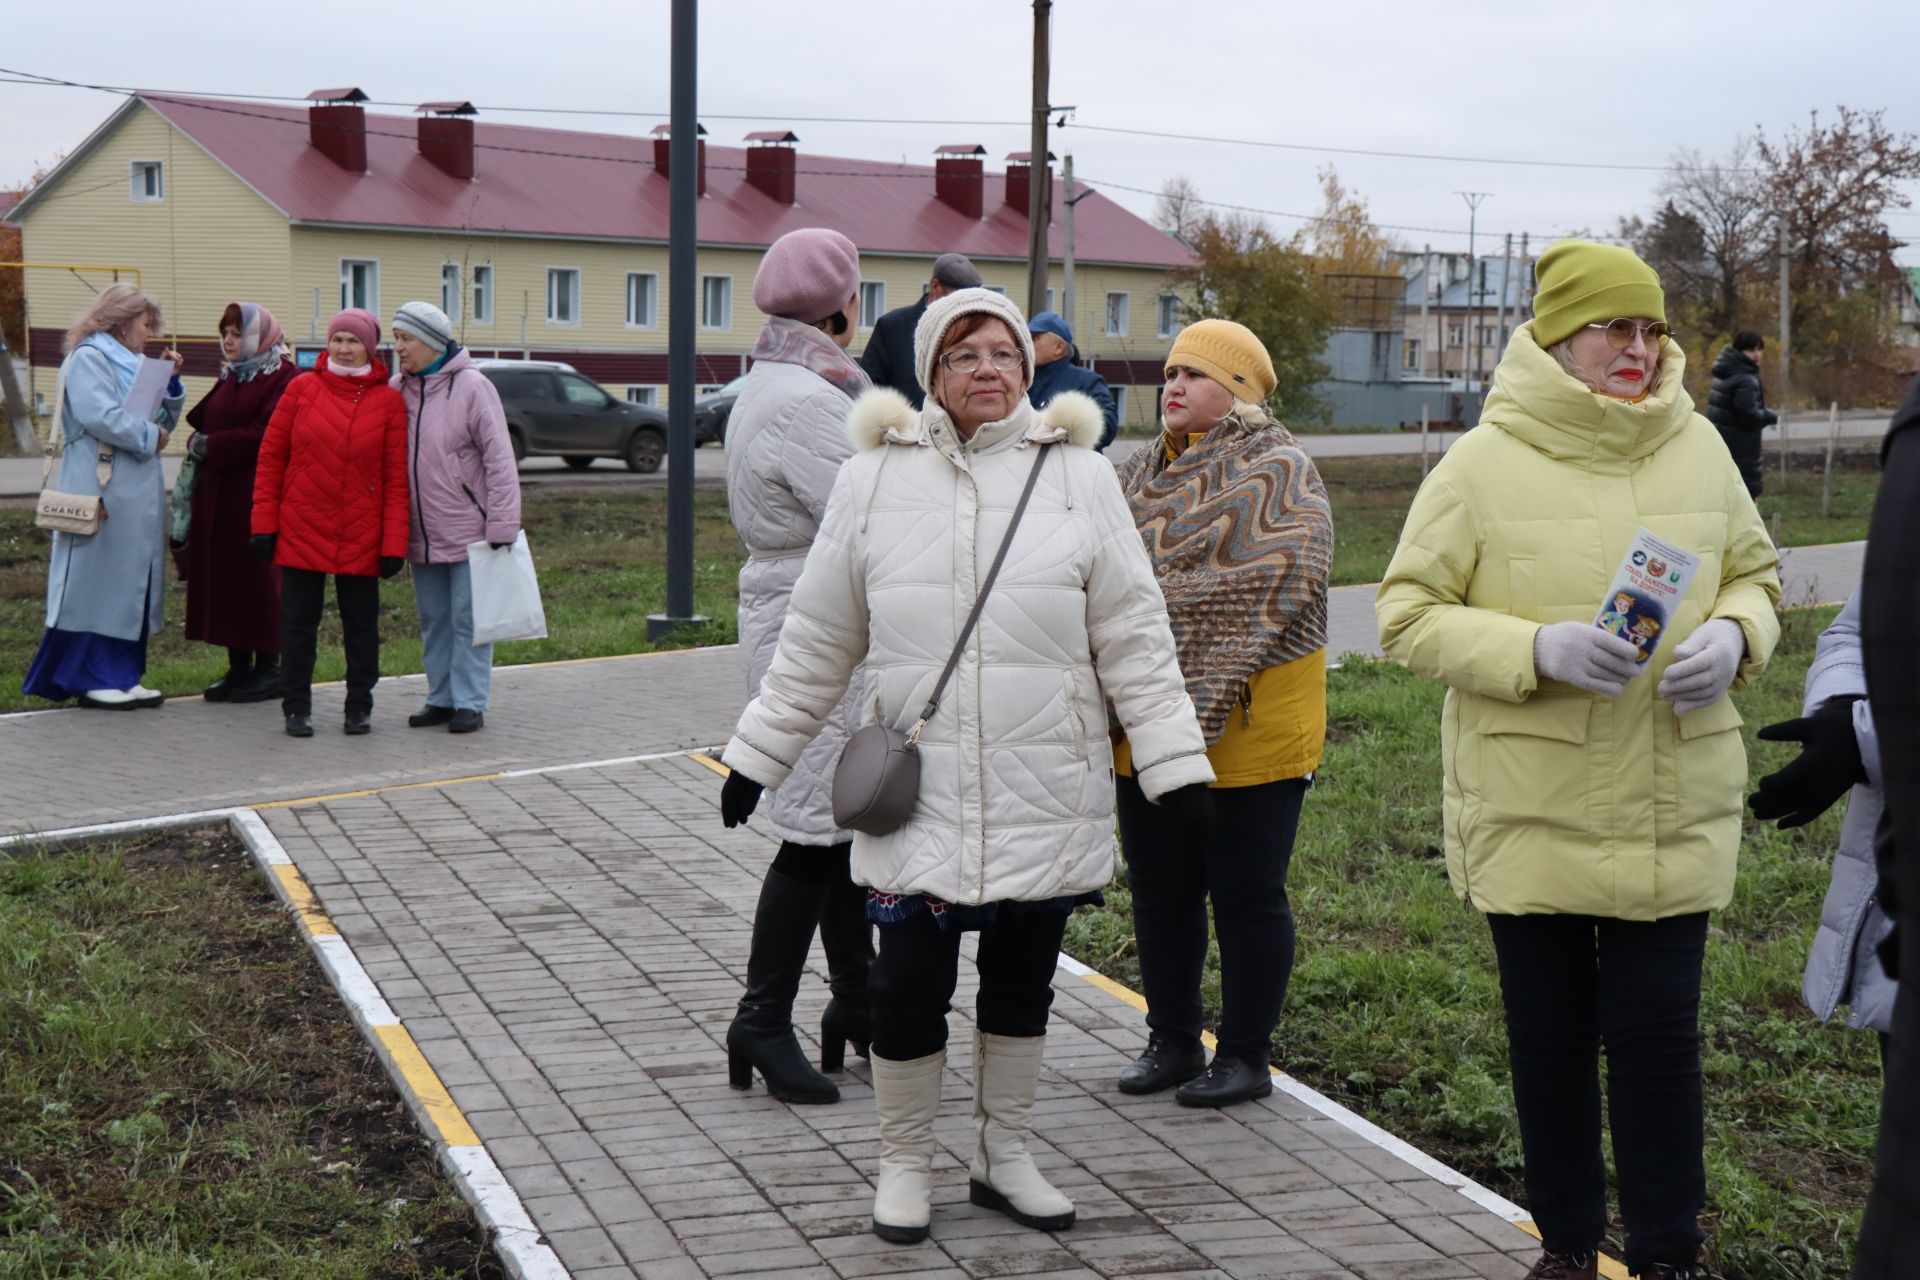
(955, 271)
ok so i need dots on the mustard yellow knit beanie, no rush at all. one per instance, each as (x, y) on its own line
(1581, 283)
(1229, 354)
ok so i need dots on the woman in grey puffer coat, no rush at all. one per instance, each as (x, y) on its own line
(1839, 753)
(786, 439)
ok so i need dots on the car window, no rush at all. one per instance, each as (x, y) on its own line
(733, 388)
(522, 384)
(580, 391)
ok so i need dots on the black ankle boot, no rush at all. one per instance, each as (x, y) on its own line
(847, 939)
(262, 683)
(761, 1036)
(239, 667)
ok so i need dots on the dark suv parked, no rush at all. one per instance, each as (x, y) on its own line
(553, 410)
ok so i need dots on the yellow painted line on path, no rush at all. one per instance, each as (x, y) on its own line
(305, 904)
(701, 757)
(425, 1082)
(377, 791)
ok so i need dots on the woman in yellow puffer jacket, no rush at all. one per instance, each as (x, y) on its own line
(1592, 802)
(1237, 524)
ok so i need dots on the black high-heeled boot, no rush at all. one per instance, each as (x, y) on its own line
(761, 1036)
(847, 939)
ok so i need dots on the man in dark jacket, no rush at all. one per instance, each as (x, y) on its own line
(1055, 371)
(1738, 405)
(888, 358)
(1890, 635)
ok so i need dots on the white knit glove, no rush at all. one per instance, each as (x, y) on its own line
(1704, 665)
(1580, 653)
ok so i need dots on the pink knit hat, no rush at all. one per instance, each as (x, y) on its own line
(807, 275)
(361, 324)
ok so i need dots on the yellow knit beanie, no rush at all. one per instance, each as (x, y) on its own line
(1229, 354)
(1582, 283)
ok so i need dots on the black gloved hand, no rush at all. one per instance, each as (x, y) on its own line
(1827, 767)
(262, 545)
(500, 546)
(739, 797)
(197, 446)
(390, 565)
(1192, 807)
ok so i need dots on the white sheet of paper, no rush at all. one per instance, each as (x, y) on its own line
(149, 388)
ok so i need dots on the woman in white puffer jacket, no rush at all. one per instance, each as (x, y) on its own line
(1013, 825)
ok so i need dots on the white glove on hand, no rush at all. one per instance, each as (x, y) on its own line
(1704, 665)
(1580, 653)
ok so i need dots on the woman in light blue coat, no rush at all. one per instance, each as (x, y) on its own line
(104, 589)
(1839, 754)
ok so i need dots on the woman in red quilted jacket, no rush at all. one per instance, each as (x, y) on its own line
(330, 497)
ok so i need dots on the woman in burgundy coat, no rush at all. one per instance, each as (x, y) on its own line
(233, 600)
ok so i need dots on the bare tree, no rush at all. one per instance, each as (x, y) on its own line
(1710, 240)
(1178, 210)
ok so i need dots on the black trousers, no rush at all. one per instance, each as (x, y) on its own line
(910, 987)
(1576, 984)
(1243, 869)
(302, 595)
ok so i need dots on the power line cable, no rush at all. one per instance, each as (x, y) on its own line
(1365, 151)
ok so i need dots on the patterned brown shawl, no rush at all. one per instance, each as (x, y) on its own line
(1241, 537)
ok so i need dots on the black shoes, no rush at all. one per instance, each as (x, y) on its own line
(358, 722)
(1227, 1081)
(1163, 1065)
(299, 725)
(262, 684)
(222, 689)
(429, 716)
(465, 721)
(1565, 1266)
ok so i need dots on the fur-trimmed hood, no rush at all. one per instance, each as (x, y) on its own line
(884, 416)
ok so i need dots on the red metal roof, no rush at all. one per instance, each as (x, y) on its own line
(566, 183)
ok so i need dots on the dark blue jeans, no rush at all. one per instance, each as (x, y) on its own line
(1574, 985)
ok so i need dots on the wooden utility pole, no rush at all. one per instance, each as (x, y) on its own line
(1039, 199)
(1067, 201)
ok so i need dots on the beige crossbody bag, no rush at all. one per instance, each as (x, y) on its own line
(75, 513)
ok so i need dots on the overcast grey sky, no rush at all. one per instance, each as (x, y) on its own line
(1592, 82)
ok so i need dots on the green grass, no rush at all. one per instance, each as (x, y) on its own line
(182, 1094)
(1370, 498)
(1394, 1006)
(601, 556)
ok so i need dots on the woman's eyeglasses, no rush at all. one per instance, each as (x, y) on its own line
(1620, 332)
(965, 361)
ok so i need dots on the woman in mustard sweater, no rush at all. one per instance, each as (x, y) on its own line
(1237, 524)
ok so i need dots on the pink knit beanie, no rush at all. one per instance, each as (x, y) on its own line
(361, 324)
(807, 275)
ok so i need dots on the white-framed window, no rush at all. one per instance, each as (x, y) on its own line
(483, 294)
(997, 288)
(709, 388)
(643, 301)
(873, 302)
(1456, 334)
(1167, 322)
(563, 295)
(148, 181)
(648, 394)
(1410, 353)
(1119, 403)
(360, 284)
(1116, 315)
(450, 290)
(1489, 336)
(716, 302)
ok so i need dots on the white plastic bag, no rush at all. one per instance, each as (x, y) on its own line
(506, 594)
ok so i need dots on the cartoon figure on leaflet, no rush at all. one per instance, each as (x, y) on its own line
(1645, 633)
(1615, 620)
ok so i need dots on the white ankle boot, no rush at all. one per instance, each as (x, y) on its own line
(1006, 1071)
(907, 1097)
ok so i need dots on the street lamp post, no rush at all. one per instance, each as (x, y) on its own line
(1473, 199)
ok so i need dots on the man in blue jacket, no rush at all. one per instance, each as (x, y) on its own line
(1054, 353)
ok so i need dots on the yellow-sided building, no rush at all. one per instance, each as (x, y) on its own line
(541, 243)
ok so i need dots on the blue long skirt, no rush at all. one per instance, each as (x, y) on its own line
(70, 663)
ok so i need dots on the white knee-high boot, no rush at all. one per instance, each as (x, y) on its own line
(907, 1097)
(1006, 1072)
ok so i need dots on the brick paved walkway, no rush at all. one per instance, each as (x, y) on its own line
(567, 949)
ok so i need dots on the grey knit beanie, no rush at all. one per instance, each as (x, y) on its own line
(931, 332)
(426, 322)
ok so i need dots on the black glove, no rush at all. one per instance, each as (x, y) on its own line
(739, 797)
(262, 545)
(1827, 767)
(390, 565)
(500, 546)
(1192, 807)
(197, 446)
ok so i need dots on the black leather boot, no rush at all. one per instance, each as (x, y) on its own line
(262, 683)
(847, 939)
(1228, 1080)
(1165, 1062)
(761, 1035)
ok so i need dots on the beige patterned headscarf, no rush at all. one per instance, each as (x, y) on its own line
(1241, 537)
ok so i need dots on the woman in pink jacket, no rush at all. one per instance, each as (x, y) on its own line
(465, 489)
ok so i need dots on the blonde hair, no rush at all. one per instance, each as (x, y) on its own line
(110, 312)
(1563, 352)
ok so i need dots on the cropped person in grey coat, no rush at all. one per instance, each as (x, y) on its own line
(1839, 754)
(786, 439)
(104, 588)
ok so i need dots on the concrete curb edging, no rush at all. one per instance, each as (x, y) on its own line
(519, 1243)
